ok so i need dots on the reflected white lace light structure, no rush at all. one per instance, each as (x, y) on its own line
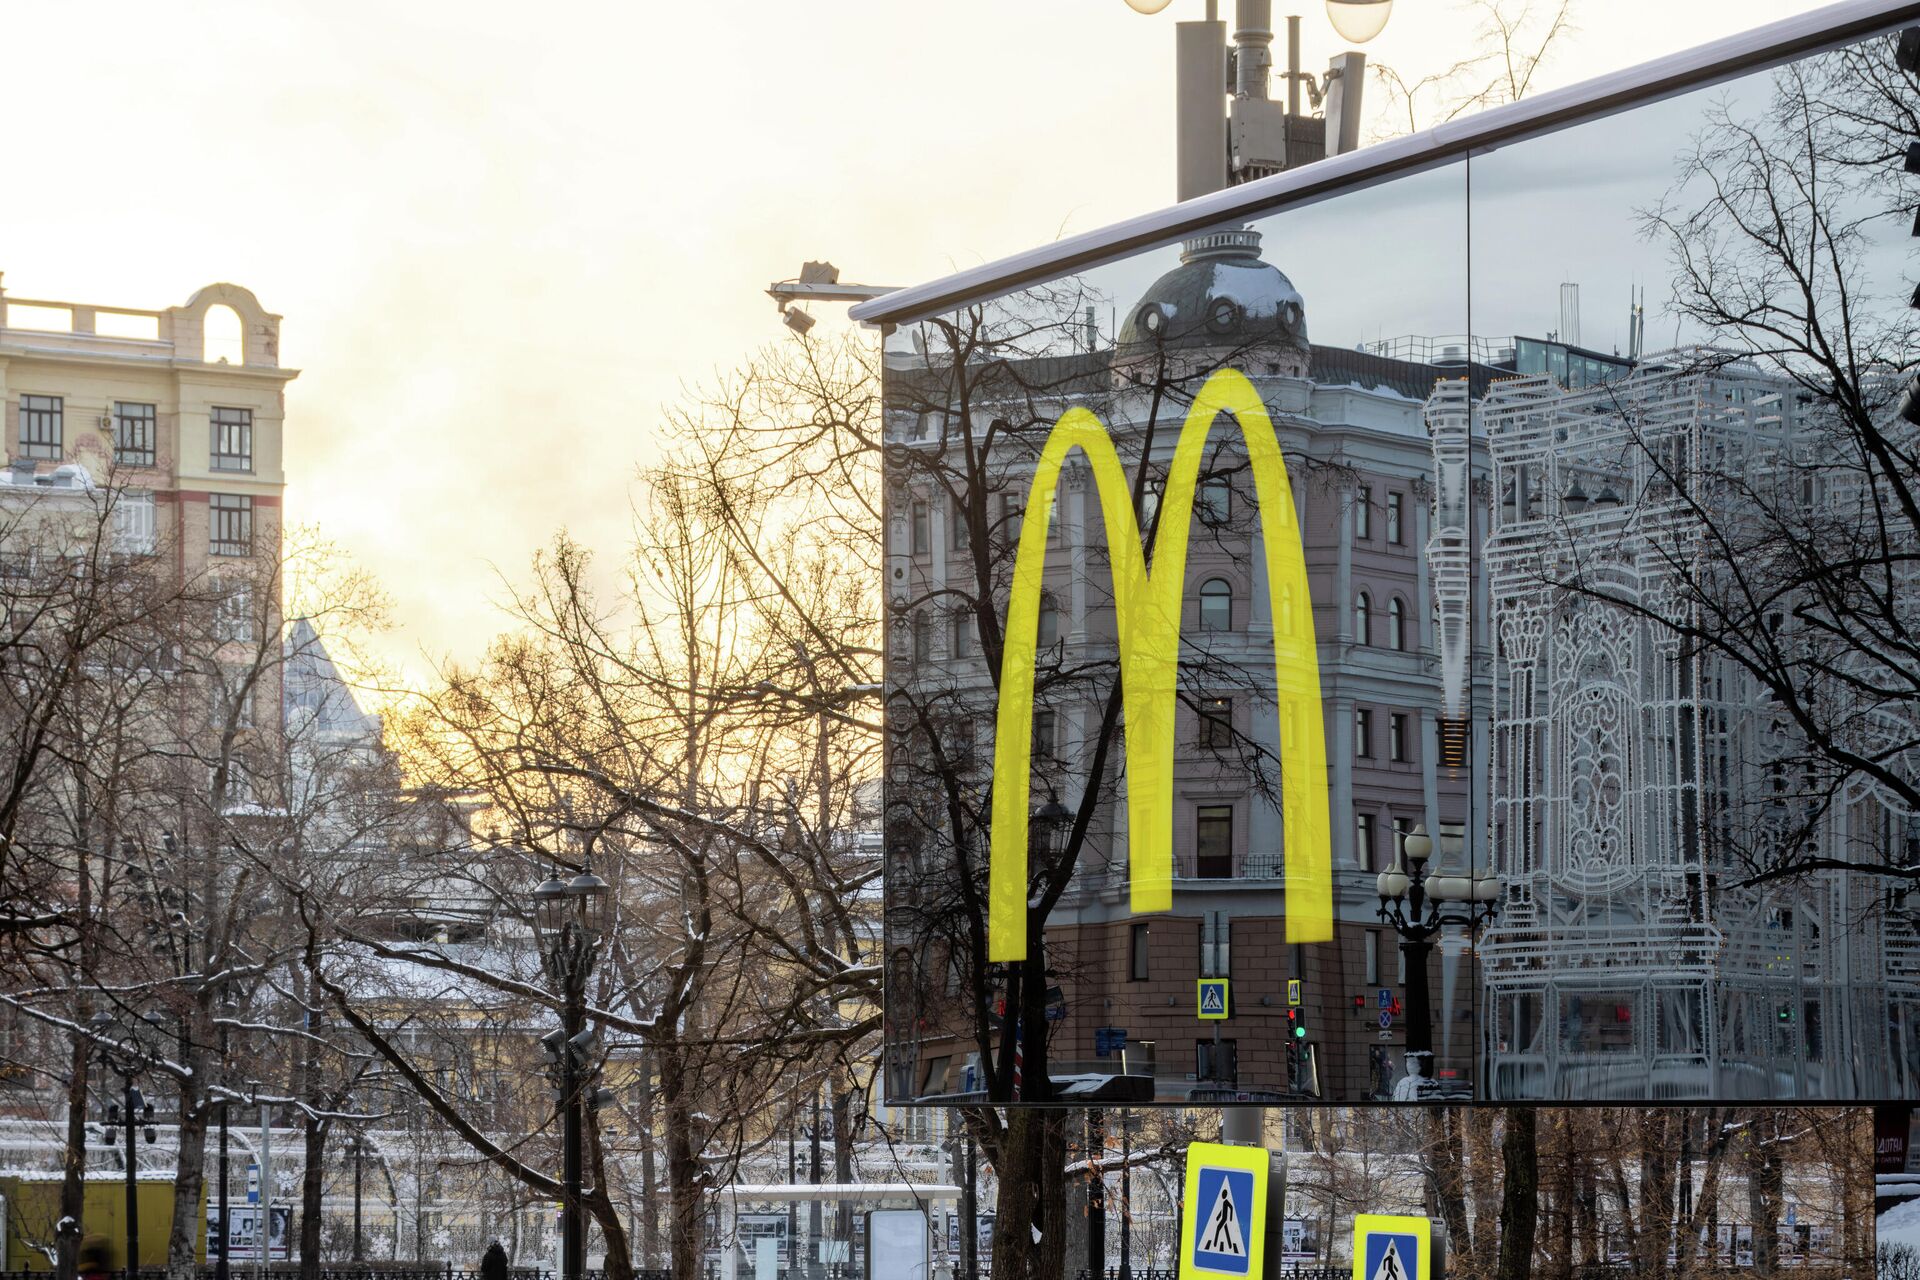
(1629, 960)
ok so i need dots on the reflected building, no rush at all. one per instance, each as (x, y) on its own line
(1351, 425)
(1642, 784)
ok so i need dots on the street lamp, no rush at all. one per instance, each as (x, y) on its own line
(569, 918)
(357, 1147)
(135, 1113)
(222, 1269)
(1419, 902)
(1359, 21)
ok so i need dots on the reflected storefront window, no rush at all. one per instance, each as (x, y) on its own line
(1597, 453)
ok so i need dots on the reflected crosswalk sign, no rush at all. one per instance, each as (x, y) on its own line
(1225, 1212)
(1390, 1247)
(1214, 1001)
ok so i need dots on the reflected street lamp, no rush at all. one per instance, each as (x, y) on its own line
(569, 919)
(135, 1113)
(1419, 901)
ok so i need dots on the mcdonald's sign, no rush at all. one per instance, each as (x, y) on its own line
(1147, 609)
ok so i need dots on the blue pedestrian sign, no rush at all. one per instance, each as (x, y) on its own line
(1389, 1247)
(1386, 998)
(1213, 998)
(1226, 1212)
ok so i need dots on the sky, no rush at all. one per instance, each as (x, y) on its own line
(504, 237)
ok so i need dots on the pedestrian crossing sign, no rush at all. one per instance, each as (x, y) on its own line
(1225, 1212)
(1214, 1001)
(1388, 1247)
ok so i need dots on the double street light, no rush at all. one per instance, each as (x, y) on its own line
(1419, 901)
(569, 918)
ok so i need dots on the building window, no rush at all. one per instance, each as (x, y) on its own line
(1397, 737)
(1396, 623)
(1137, 955)
(42, 426)
(229, 524)
(233, 615)
(922, 637)
(962, 645)
(1363, 734)
(133, 434)
(922, 530)
(1049, 623)
(1216, 605)
(133, 525)
(1043, 735)
(962, 534)
(1215, 504)
(1363, 514)
(1394, 501)
(232, 439)
(1363, 619)
(1370, 957)
(1217, 1060)
(1400, 831)
(1216, 946)
(1213, 842)
(1012, 517)
(1216, 722)
(1363, 839)
(1400, 954)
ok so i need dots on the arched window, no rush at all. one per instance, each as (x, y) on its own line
(1216, 605)
(222, 340)
(1363, 619)
(1396, 623)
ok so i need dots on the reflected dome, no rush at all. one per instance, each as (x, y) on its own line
(1223, 299)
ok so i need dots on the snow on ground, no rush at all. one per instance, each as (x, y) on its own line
(1901, 1224)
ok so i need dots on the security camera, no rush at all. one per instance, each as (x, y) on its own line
(796, 320)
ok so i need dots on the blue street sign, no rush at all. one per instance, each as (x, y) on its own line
(1213, 998)
(1386, 1019)
(1220, 1242)
(1386, 998)
(1389, 1247)
(1108, 1041)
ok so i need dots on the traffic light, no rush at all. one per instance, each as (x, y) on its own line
(1786, 1013)
(1296, 1025)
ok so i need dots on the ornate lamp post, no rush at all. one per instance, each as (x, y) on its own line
(1420, 901)
(569, 917)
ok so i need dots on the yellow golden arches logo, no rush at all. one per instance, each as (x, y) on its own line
(1147, 606)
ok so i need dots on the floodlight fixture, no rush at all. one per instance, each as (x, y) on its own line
(796, 320)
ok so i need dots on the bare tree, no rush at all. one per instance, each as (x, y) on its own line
(1514, 40)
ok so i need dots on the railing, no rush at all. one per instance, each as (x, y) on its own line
(241, 1268)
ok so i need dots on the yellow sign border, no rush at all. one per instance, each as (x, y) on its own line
(1200, 998)
(1218, 1155)
(1147, 608)
(1365, 1224)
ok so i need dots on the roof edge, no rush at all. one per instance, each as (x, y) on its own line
(1702, 65)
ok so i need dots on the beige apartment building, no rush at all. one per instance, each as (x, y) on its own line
(182, 410)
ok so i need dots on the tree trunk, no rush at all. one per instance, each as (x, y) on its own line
(1449, 1179)
(73, 1162)
(618, 1264)
(189, 1170)
(686, 1245)
(1519, 1201)
(312, 1180)
(1483, 1181)
(649, 1177)
(1029, 1235)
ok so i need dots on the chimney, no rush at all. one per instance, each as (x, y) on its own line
(20, 470)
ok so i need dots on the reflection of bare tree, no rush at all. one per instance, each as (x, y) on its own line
(1805, 579)
(968, 413)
